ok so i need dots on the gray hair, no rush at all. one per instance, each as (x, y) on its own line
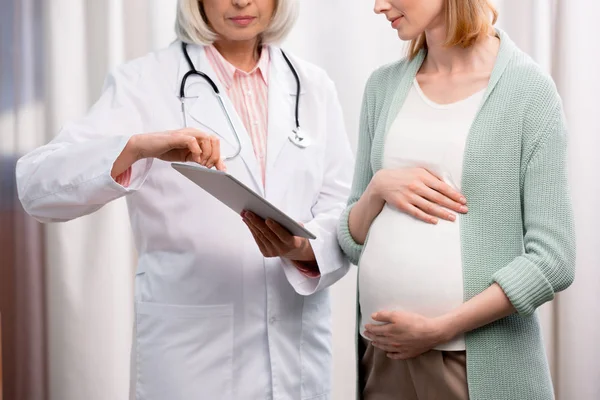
(191, 26)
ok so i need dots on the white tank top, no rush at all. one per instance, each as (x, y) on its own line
(408, 264)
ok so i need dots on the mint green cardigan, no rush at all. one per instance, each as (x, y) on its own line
(519, 229)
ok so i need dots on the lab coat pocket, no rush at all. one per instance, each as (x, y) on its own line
(315, 352)
(184, 352)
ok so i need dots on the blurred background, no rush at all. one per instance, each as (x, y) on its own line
(66, 289)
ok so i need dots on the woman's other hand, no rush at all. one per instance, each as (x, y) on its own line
(405, 335)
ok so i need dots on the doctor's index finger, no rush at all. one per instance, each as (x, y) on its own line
(206, 146)
(221, 165)
(216, 152)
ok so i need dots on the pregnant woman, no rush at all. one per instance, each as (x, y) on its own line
(459, 218)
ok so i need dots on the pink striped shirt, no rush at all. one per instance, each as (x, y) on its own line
(249, 92)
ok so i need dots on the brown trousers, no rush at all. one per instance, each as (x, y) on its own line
(435, 375)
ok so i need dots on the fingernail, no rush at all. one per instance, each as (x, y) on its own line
(463, 200)
(434, 221)
(464, 209)
(452, 217)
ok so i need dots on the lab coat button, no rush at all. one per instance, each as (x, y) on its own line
(272, 320)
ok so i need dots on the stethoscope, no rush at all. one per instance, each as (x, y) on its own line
(297, 137)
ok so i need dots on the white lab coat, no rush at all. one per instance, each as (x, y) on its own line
(214, 319)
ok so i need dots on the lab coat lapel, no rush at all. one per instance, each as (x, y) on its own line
(204, 108)
(282, 102)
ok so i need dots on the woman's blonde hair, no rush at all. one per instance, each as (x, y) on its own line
(192, 26)
(466, 22)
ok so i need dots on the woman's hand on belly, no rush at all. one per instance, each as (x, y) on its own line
(419, 193)
(405, 335)
(413, 191)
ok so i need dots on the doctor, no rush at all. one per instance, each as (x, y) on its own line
(226, 307)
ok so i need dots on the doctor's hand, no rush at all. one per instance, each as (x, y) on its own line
(405, 335)
(175, 146)
(419, 193)
(273, 240)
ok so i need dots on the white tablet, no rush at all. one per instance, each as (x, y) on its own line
(238, 196)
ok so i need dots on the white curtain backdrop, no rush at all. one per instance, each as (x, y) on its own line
(575, 67)
(90, 261)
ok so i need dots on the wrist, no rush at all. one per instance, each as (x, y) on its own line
(306, 265)
(304, 253)
(310, 270)
(129, 155)
(446, 328)
(374, 188)
(132, 149)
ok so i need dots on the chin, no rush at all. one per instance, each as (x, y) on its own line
(407, 36)
(242, 36)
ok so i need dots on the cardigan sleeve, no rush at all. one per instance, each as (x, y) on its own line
(363, 174)
(548, 263)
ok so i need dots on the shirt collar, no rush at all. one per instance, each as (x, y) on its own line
(226, 72)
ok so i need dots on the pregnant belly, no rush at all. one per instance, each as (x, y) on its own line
(410, 265)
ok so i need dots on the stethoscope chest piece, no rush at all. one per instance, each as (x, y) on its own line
(299, 138)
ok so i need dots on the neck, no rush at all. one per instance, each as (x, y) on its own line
(241, 54)
(446, 60)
